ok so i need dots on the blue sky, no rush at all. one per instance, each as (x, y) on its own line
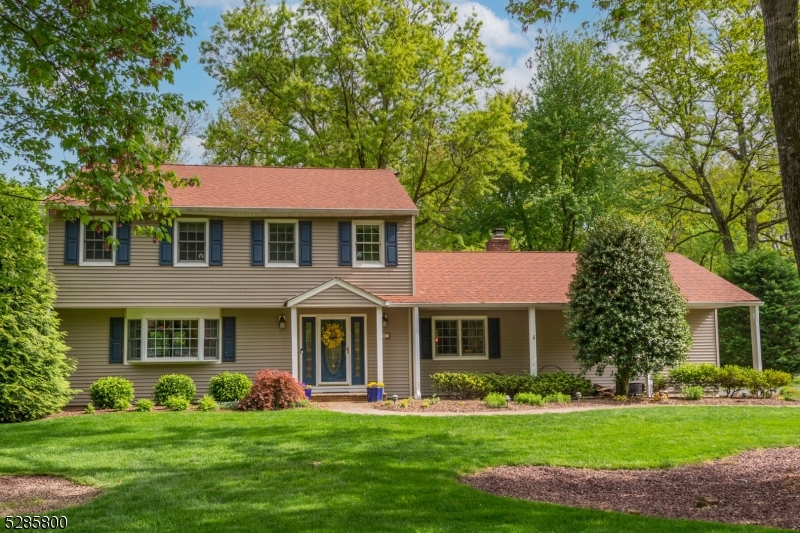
(507, 45)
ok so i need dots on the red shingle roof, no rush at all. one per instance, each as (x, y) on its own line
(538, 278)
(291, 188)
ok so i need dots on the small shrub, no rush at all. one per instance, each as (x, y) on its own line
(557, 398)
(144, 405)
(207, 403)
(660, 383)
(776, 379)
(110, 392)
(695, 375)
(89, 409)
(301, 404)
(620, 398)
(435, 399)
(121, 404)
(272, 389)
(176, 403)
(559, 383)
(528, 398)
(495, 399)
(693, 393)
(178, 385)
(790, 394)
(229, 386)
(732, 379)
(459, 385)
(426, 403)
(404, 403)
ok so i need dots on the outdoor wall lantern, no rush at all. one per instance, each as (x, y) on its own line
(387, 335)
(282, 322)
(385, 320)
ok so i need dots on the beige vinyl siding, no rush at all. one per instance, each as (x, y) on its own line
(235, 284)
(554, 349)
(336, 297)
(514, 358)
(396, 353)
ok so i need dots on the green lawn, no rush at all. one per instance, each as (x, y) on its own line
(231, 471)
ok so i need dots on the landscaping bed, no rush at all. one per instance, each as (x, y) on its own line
(474, 406)
(27, 495)
(757, 487)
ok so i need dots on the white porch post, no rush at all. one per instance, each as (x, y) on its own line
(755, 337)
(415, 356)
(379, 343)
(295, 354)
(534, 364)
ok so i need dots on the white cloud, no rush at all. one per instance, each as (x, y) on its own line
(506, 44)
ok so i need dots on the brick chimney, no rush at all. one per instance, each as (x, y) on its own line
(498, 243)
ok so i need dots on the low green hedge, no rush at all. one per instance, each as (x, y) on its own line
(729, 378)
(466, 385)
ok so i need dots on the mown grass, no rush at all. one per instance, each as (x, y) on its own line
(313, 470)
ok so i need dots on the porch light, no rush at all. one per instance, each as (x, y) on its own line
(385, 320)
(282, 322)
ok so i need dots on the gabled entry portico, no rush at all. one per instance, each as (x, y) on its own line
(337, 337)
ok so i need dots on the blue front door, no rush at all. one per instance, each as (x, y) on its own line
(333, 343)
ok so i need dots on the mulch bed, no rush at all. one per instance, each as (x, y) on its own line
(474, 406)
(759, 487)
(27, 495)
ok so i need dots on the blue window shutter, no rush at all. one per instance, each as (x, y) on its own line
(117, 340)
(257, 242)
(391, 244)
(425, 338)
(228, 339)
(494, 338)
(124, 248)
(305, 243)
(72, 242)
(345, 244)
(215, 243)
(165, 256)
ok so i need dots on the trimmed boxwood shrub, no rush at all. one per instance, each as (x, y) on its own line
(169, 385)
(466, 385)
(111, 393)
(144, 405)
(695, 375)
(176, 403)
(229, 386)
(207, 403)
(271, 390)
(495, 399)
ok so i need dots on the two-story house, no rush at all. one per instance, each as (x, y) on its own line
(265, 264)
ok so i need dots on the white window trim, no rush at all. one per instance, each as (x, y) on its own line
(279, 264)
(201, 315)
(381, 244)
(460, 355)
(176, 243)
(82, 250)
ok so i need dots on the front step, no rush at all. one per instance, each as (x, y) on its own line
(339, 397)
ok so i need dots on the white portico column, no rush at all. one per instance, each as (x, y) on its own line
(415, 356)
(379, 343)
(534, 363)
(295, 354)
(755, 337)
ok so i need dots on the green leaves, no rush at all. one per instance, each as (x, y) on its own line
(366, 84)
(624, 309)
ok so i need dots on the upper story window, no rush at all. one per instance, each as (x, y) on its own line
(368, 244)
(282, 243)
(460, 337)
(192, 242)
(95, 250)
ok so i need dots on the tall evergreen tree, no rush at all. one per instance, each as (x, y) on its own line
(33, 362)
(624, 310)
(773, 279)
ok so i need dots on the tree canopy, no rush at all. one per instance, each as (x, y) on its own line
(624, 310)
(366, 84)
(85, 79)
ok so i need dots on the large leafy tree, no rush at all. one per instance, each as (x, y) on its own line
(774, 280)
(576, 151)
(367, 84)
(33, 362)
(777, 24)
(625, 311)
(84, 79)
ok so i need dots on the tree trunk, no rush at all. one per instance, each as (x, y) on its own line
(621, 382)
(783, 70)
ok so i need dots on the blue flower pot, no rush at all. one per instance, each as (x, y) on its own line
(308, 393)
(374, 394)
